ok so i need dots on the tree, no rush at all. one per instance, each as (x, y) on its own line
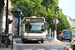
(36, 5)
(25, 7)
(63, 23)
(33, 7)
(73, 27)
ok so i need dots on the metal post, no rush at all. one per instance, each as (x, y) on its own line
(37, 13)
(55, 35)
(46, 9)
(12, 42)
(7, 21)
(18, 26)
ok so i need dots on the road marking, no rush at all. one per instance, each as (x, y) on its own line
(27, 49)
(53, 49)
(40, 49)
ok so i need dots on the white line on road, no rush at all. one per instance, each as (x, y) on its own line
(27, 49)
(31, 49)
(40, 49)
(53, 49)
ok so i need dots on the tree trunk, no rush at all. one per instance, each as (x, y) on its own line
(46, 9)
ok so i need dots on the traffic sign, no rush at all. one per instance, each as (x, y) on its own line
(56, 21)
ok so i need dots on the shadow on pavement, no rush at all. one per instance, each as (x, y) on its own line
(4, 46)
(28, 42)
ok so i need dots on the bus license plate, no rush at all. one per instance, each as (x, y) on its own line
(33, 39)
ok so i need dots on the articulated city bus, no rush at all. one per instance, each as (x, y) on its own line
(34, 29)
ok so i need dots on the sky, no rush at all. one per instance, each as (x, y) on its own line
(68, 7)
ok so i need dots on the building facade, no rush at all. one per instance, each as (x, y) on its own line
(10, 16)
(71, 21)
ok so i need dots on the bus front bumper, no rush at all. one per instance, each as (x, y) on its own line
(32, 38)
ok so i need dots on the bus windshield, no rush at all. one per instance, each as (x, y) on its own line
(35, 27)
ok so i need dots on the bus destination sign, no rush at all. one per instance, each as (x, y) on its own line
(34, 19)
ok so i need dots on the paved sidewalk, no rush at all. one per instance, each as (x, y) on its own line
(3, 47)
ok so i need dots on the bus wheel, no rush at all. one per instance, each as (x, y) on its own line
(61, 39)
(42, 41)
(70, 40)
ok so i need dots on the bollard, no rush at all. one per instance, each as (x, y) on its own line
(11, 39)
(12, 43)
(55, 35)
(50, 33)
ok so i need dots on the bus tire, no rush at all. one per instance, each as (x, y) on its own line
(42, 41)
(70, 40)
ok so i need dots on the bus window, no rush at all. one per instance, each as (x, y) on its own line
(26, 26)
(34, 27)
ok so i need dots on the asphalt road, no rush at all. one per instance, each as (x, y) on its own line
(33, 45)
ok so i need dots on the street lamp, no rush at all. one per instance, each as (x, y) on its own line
(17, 13)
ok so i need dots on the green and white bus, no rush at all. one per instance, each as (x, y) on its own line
(34, 29)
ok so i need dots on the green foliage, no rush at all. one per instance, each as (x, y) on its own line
(25, 7)
(33, 7)
(47, 2)
(73, 27)
(63, 23)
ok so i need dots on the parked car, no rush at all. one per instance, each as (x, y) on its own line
(71, 45)
(65, 35)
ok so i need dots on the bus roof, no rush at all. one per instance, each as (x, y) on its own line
(33, 17)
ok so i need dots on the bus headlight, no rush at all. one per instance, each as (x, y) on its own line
(25, 34)
(43, 34)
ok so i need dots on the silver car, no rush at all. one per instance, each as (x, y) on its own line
(65, 35)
